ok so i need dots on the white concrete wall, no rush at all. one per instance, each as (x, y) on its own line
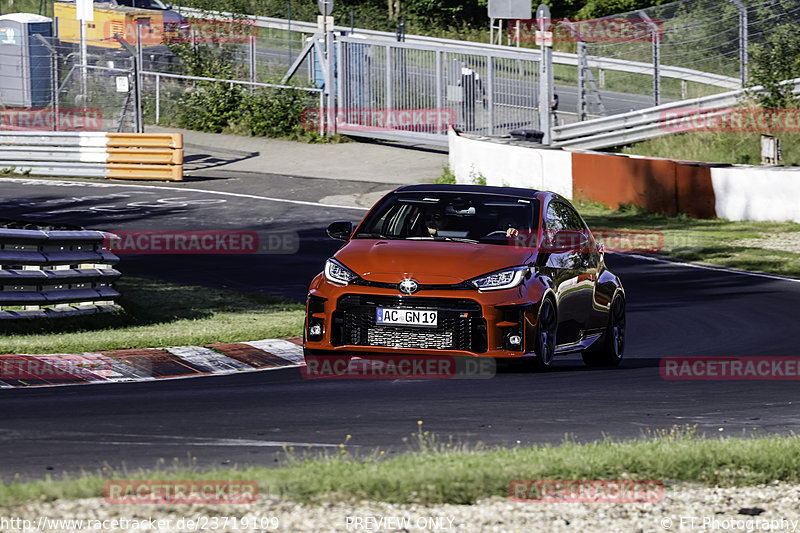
(510, 165)
(757, 193)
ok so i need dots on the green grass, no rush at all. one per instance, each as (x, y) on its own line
(158, 313)
(710, 241)
(733, 147)
(437, 472)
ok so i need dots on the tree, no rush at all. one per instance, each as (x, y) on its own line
(778, 59)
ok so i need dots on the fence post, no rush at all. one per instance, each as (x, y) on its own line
(137, 66)
(389, 96)
(655, 36)
(289, 30)
(331, 56)
(158, 98)
(438, 84)
(490, 91)
(582, 65)
(253, 62)
(743, 38)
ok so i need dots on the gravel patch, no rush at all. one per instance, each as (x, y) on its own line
(774, 507)
(784, 242)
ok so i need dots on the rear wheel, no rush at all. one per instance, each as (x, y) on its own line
(609, 353)
(545, 342)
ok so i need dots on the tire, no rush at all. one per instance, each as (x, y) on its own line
(545, 342)
(610, 352)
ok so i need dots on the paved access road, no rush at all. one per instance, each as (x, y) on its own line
(245, 419)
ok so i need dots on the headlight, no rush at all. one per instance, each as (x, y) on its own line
(502, 279)
(337, 273)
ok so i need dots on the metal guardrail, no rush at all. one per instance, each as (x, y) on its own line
(93, 154)
(49, 271)
(644, 124)
(562, 58)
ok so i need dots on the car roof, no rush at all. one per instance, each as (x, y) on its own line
(475, 189)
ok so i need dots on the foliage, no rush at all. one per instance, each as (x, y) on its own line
(776, 60)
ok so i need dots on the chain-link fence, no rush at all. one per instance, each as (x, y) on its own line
(712, 36)
(44, 87)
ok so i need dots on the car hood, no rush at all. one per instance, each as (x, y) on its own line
(428, 262)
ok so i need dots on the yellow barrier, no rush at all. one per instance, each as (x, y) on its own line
(145, 156)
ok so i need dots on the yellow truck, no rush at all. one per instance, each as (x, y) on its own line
(157, 25)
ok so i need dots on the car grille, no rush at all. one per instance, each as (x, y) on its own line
(460, 324)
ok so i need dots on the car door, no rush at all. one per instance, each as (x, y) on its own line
(563, 265)
(586, 261)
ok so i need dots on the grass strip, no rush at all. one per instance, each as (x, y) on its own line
(158, 314)
(437, 472)
(713, 241)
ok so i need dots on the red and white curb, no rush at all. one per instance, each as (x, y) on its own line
(149, 363)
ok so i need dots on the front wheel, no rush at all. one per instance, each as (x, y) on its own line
(613, 343)
(545, 342)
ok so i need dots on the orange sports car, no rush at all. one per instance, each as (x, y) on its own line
(457, 270)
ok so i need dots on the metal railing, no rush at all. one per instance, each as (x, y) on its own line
(644, 124)
(477, 91)
(597, 61)
(48, 271)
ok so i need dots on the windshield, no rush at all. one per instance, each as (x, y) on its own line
(490, 219)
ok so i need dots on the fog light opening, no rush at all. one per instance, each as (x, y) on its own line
(514, 340)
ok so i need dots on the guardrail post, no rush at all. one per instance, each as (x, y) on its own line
(742, 41)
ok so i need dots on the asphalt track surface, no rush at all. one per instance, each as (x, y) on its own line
(673, 310)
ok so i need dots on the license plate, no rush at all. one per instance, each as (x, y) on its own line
(406, 317)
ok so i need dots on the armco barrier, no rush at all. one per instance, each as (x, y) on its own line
(701, 190)
(48, 272)
(153, 156)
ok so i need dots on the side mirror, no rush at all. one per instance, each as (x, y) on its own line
(340, 230)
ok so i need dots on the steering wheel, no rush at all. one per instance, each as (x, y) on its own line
(496, 233)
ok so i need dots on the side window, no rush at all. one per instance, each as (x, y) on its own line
(557, 218)
(574, 221)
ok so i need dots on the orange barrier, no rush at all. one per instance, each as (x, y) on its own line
(659, 185)
(144, 172)
(150, 156)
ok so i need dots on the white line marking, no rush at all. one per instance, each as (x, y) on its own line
(284, 349)
(207, 359)
(715, 268)
(62, 183)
